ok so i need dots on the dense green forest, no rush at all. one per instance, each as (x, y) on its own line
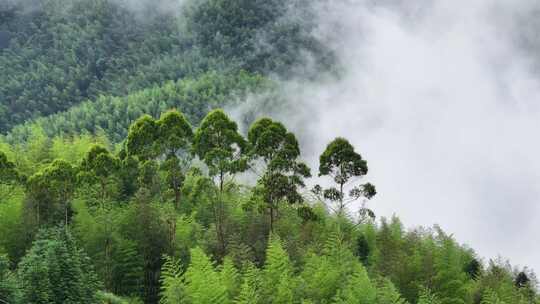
(122, 180)
(166, 218)
(58, 53)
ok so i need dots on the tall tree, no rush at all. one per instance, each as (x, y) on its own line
(9, 176)
(8, 173)
(344, 165)
(141, 139)
(279, 152)
(51, 190)
(168, 138)
(98, 167)
(219, 145)
(175, 135)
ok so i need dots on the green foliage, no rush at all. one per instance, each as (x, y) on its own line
(218, 143)
(388, 294)
(113, 114)
(230, 278)
(13, 231)
(323, 275)
(141, 138)
(203, 284)
(172, 286)
(98, 168)
(450, 283)
(96, 100)
(340, 162)
(358, 290)
(56, 54)
(279, 151)
(9, 292)
(251, 286)
(63, 52)
(213, 247)
(128, 269)
(426, 297)
(109, 298)
(251, 32)
(175, 133)
(50, 192)
(473, 268)
(152, 241)
(363, 249)
(55, 270)
(8, 173)
(278, 280)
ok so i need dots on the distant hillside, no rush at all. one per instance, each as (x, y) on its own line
(57, 53)
(113, 115)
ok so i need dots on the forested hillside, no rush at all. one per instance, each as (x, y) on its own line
(58, 53)
(123, 180)
(167, 218)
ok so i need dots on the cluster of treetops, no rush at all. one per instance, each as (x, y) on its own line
(206, 215)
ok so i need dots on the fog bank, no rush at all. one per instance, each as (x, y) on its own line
(442, 99)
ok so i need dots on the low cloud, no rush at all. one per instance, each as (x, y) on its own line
(442, 99)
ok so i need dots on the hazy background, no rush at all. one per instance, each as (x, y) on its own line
(442, 99)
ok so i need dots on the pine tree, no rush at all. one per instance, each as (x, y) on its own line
(55, 270)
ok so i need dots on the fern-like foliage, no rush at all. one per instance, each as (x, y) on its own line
(426, 297)
(278, 278)
(202, 283)
(321, 278)
(358, 290)
(251, 286)
(172, 287)
(491, 297)
(388, 294)
(230, 278)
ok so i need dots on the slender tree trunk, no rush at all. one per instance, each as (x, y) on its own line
(172, 235)
(271, 219)
(37, 213)
(108, 269)
(219, 219)
(103, 189)
(66, 213)
(66, 206)
(341, 199)
(177, 197)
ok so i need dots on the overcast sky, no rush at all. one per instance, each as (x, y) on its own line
(442, 99)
